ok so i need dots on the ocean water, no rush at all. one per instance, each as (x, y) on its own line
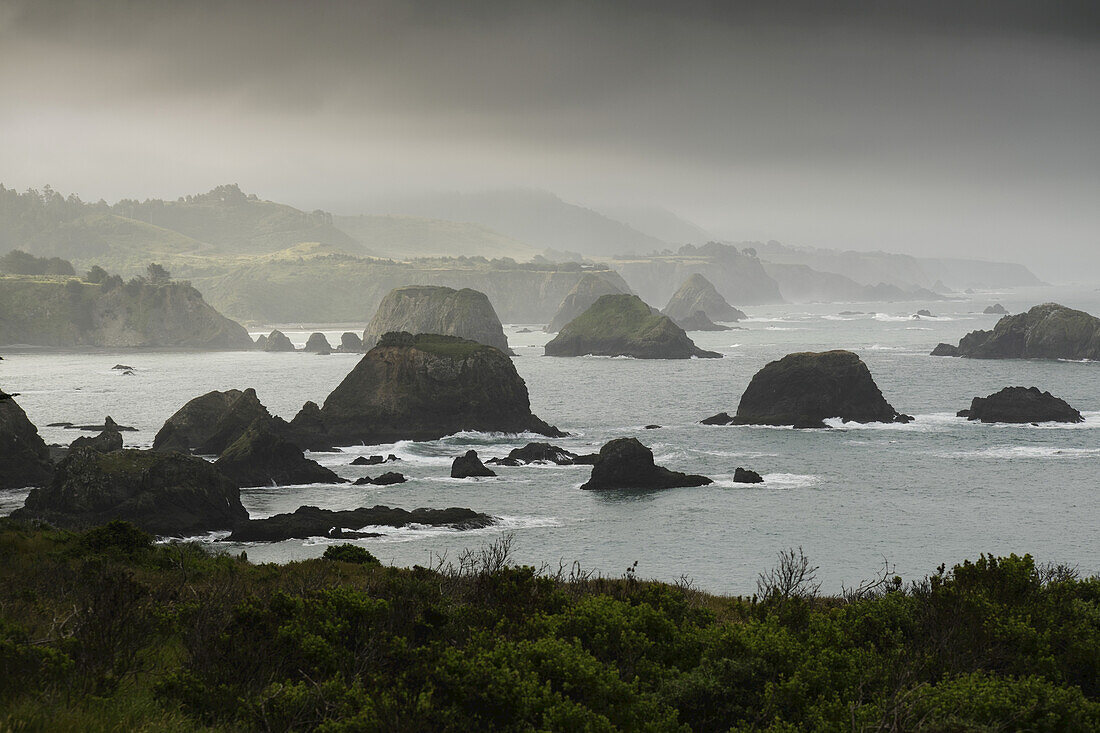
(937, 490)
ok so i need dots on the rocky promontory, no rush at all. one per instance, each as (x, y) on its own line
(804, 389)
(24, 457)
(590, 288)
(421, 387)
(699, 294)
(263, 457)
(624, 463)
(162, 493)
(465, 313)
(210, 423)
(623, 325)
(309, 521)
(1021, 405)
(1047, 331)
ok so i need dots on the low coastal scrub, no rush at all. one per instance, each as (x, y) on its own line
(105, 630)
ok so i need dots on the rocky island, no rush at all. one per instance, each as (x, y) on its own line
(1047, 331)
(590, 288)
(623, 325)
(1021, 405)
(210, 423)
(465, 313)
(624, 463)
(697, 294)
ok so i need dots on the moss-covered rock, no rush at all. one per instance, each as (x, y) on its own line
(24, 457)
(415, 309)
(590, 288)
(1047, 331)
(699, 294)
(421, 388)
(623, 325)
(262, 457)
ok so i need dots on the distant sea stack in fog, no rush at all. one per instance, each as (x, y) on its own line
(805, 389)
(623, 325)
(414, 309)
(590, 288)
(1047, 331)
(421, 387)
(697, 294)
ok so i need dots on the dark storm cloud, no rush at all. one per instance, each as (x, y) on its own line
(892, 124)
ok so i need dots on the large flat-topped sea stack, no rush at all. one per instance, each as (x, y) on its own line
(805, 389)
(623, 325)
(699, 294)
(421, 387)
(1021, 405)
(465, 313)
(590, 288)
(1047, 331)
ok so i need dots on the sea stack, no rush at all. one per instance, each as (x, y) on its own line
(1047, 331)
(263, 457)
(623, 325)
(421, 387)
(699, 294)
(587, 291)
(417, 309)
(624, 463)
(278, 341)
(210, 423)
(1021, 405)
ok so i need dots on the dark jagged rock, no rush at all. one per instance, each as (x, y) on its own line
(368, 461)
(212, 422)
(652, 427)
(108, 424)
(698, 295)
(66, 425)
(123, 368)
(278, 341)
(925, 313)
(387, 479)
(584, 294)
(1021, 405)
(804, 389)
(943, 349)
(421, 387)
(418, 309)
(1047, 331)
(722, 418)
(317, 344)
(995, 310)
(309, 521)
(536, 453)
(623, 325)
(350, 343)
(162, 493)
(624, 463)
(747, 476)
(24, 457)
(107, 441)
(698, 321)
(262, 457)
(469, 466)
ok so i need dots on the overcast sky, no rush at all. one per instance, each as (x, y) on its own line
(905, 126)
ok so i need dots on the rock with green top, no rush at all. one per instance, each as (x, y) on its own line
(1047, 331)
(421, 387)
(587, 291)
(698, 294)
(623, 325)
(417, 309)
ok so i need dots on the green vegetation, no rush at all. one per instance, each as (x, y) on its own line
(109, 631)
(18, 262)
(618, 316)
(451, 347)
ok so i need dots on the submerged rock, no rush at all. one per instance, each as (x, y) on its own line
(210, 423)
(806, 388)
(421, 387)
(278, 341)
(1021, 405)
(317, 344)
(309, 521)
(418, 309)
(24, 456)
(262, 457)
(162, 493)
(623, 325)
(747, 476)
(624, 463)
(697, 294)
(469, 466)
(1047, 331)
(584, 294)
(943, 349)
(995, 310)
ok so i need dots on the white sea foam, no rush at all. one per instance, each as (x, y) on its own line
(413, 532)
(771, 481)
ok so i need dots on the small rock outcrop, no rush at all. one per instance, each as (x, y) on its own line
(995, 310)
(923, 313)
(309, 521)
(623, 325)
(624, 463)
(421, 387)
(722, 418)
(537, 453)
(806, 388)
(699, 294)
(278, 341)
(24, 457)
(417, 309)
(387, 479)
(211, 423)
(108, 440)
(1047, 331)
(262, 457)
(108, 424)
(469, 466)
(747, 476)
(1021, 405)
(350, 343)
(162, 493)
(587, 291)
(943, 349)
(317, 344)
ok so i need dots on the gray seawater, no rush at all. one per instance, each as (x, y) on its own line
(935, 491)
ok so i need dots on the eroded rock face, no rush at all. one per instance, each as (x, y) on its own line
(317, 344)
(623, 325)
(625, 463)
(806, 388)
(584, 294)
(747, 476)
(211, 423)
(699, 294)
(945, 350)
(1047, 331)
(469, 466)
(1021, 405)
(24, 457)
(263, 457)
(163, 493)
(350, 343)
(108, 440)
(421, 387)
(278, 341)
(309, 521)
(419, 309)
